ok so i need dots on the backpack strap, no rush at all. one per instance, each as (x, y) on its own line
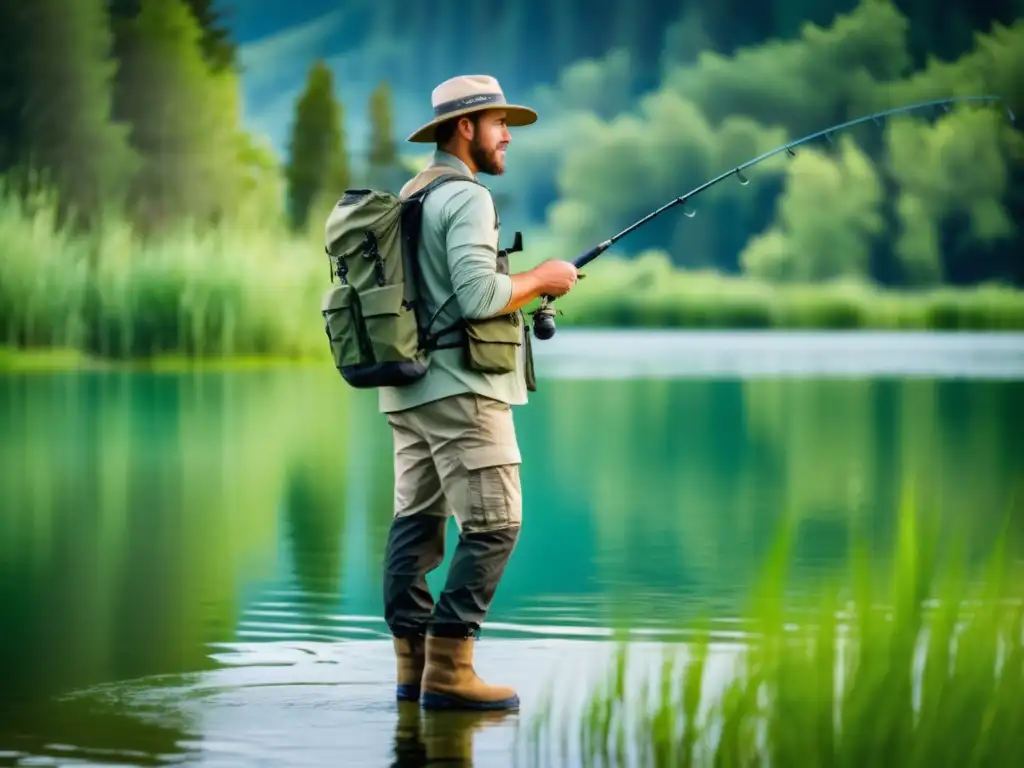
(412, 195)
(431, 177)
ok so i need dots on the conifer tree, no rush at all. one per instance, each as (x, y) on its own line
(318, 167)
(383, 151)
(14, 41)
(219, 49)
(56, 111)
(184, 116)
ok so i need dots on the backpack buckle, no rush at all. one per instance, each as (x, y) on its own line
(517, 245)
(372, 251)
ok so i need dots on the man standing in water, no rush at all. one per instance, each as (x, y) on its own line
(454, 440)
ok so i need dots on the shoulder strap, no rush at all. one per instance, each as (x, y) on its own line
(416, 190)
(430, 178)
(412, 196)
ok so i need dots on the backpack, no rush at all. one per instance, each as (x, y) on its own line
(373, 316)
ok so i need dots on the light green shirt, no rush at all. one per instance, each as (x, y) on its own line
(458, 256)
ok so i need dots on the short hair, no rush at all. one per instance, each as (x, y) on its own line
(446, 130)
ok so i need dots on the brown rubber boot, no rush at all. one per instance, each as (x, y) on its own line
(450, 682)
(410, 658)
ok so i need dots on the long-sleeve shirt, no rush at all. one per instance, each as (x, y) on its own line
(458, 255)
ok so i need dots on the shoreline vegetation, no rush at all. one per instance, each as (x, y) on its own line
(136, 229)
(242, 295)
(917, 660)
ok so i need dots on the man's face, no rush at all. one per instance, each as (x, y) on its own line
(487, 147)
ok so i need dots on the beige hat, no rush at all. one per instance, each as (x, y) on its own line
(470, 93)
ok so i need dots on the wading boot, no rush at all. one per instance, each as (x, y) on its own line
(410, 657)
(450, 682)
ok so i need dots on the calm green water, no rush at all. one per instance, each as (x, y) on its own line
(197, 556)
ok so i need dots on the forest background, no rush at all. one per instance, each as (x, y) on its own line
(167, 165)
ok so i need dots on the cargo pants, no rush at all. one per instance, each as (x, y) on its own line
(460, 456)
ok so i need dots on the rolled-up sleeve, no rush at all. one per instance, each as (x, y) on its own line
(472, 253)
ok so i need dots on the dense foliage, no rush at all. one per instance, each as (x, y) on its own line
(141, 216)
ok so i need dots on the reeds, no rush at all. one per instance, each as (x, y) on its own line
(915, 664)
(254, 291)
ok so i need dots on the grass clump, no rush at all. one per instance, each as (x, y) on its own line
(923, 666)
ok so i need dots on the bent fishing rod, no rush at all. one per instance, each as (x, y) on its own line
(544, 315)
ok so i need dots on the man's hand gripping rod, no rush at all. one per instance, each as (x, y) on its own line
(544, 315)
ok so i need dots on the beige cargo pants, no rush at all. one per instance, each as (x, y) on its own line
(457, 456)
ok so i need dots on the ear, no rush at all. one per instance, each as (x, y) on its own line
(467, 128)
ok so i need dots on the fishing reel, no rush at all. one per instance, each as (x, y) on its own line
(544, 315)
(544, 319)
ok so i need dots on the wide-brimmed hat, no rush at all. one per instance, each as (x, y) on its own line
(470, 93)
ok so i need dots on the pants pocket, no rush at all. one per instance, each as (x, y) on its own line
(494, 491)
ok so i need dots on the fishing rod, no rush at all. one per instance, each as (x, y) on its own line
(544, 315)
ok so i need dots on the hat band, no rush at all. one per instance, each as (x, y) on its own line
(468, 101)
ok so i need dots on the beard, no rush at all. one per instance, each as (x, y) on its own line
(485, 159)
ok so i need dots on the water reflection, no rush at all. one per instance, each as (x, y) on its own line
(423, 738)
(75, 733)
(217, 534)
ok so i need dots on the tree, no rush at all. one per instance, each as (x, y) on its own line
(14, 41)
(383, 151)
(219, 49)
(384, 170)
(829, 216)
(56, 115)
(318, 166)
(185, 117)
(261, 193)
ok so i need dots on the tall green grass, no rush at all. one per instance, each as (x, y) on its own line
(648, 292)
(235, 291)
(921, 666)
(252, 289)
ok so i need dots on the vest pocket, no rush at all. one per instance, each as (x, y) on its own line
(492, 344)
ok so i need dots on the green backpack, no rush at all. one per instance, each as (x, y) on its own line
(373, 316)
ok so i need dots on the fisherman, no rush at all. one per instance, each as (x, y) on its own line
(455, 446)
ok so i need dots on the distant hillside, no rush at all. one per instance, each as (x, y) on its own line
(526, 43)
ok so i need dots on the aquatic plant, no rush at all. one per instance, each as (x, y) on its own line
(917, 663)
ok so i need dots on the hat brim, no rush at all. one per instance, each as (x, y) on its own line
(515, 116)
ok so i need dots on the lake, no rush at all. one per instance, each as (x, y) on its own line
(190, 563)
